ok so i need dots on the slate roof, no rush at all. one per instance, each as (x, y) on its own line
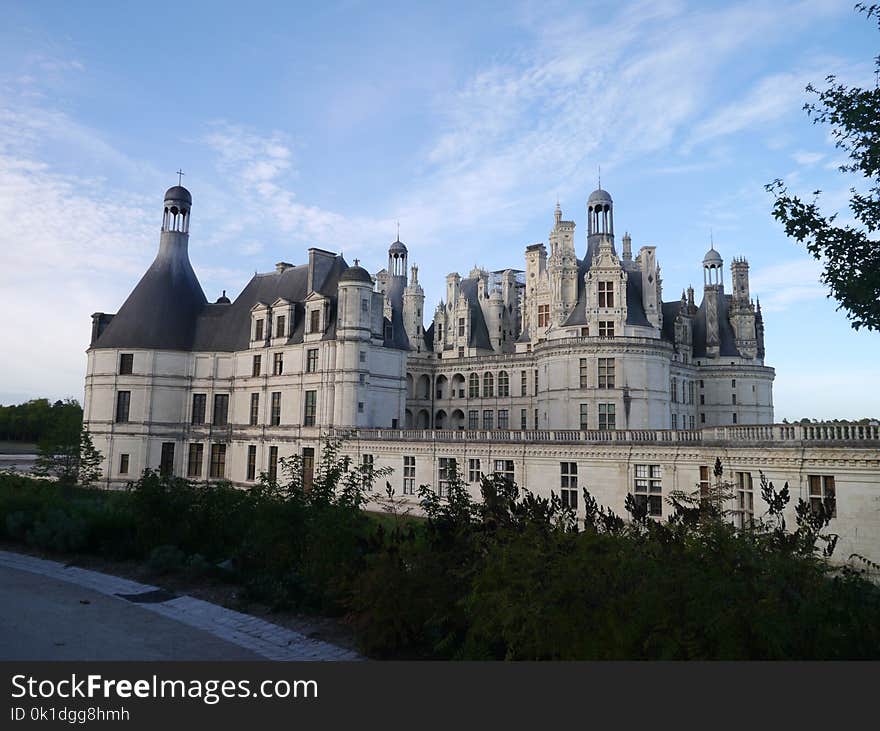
(479, 332)
(635, 311)
(726, 336)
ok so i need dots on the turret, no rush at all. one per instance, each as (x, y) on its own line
(600, 221)
(413, 304)
(742, 312)
(713, 290)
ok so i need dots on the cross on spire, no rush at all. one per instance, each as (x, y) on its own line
(180, 175)
(600, 177)
(398, 229)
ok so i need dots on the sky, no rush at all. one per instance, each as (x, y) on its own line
(324, 124)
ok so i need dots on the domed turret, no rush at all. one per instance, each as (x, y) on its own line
(178, 202)
(397, 254)
(356, 273)
(713, 267)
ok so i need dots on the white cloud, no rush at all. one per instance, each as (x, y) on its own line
(802, 157)
(779, 286)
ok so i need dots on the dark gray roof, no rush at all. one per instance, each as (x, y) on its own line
(599, 195)
(162, 310)
(398, 247)
(635, 311)
(178, 193)
(670, 312)
(394, 293)
(429, 337)
(479, 332)
(356, 274)
(726, 336)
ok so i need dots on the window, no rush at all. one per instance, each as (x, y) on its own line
(218, 461)
(362, 356)
(275, 417)
(523, 420)
(488, 385)
(255, 409)
(606, 417)
(504, 468)
(733, 399)
(488, 418)
(221, 409)
(123, 464)
(166, 460)
(256, 365)
(362, 380)
(606, 294)
(314, 321)
(278, 364)
(272, 472)
(691, 419)
(194, 460)
(649, 489)
(198, 412)
(543, 315)
(123, 402)
(702, 418)
(126, 364)
(523, 383)
(461, 327)
(252, 462)
(473, 470)
(473, 385)
(503, 384)
(310, 408)
(675, 421)
(536, 381)
(409, 475)
(446, 471)
(308, 467)
(473, 419)
(606, 372)
(673, 387)
(585, 422)
(311, 360)
(606, 328)
(461, 351)
(585, 332)
(536, 418)
(360, 407)
(733, 383)
(583, 376)
(258, 329)
(745, 499)
(568, 484)
(701, 383)
(503, 419)
(702, 399)
(823, 491)
(734, 417)
(365, 306)
(704, 482)
(280, 322)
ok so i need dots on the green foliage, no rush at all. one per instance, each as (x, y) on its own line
(67, 452)
(32, 421)
(850, 255)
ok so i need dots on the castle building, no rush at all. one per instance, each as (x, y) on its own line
(571, 372)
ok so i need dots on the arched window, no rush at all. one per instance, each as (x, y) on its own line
(488, 385)
(473, 385)
(503, 384)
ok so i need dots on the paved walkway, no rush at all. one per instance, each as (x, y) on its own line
(49, 611)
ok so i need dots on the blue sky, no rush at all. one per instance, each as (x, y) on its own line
(322, 124)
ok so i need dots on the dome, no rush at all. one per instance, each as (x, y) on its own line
(178, 193)
(356, 274)
(398, 247)
(712, 258)
(223, 299)
(599, 196)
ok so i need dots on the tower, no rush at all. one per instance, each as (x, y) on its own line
(600, 221)
(413, 304)
(562, 267)
(353, 333)
(713, 290)
(397, 254)
(742, 312)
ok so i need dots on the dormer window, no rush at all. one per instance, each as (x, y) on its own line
(280, 326)
(606, 294)
(258, 329)
(315, 321)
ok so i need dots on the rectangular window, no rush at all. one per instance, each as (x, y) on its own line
(702, 418)
(649, 489)
(607, 417)
(218, 461)
(310, 408)
(360, 407)
(166, 461)
(822, 490)
(585, 421)
(473, 386)
(280, 322)
(606, 328)
(461, 327)
(673, 387)
(409, 475)
(733, 383)
(733, 399)
(123, 403)
(734, 417)
(461, 351)
(258, 330)
(314, 321)
(702, 399)
(675, 421)
(221, 409)
(278, 364)
(488, 418)
(276, 409)
(606, 294)
(504, 468)
(446, 469)
(311, 360)
(503, 419)
(523, 419)
(256, 365)
(473, 470)
(691, 419)
(251, 462)
(126, 364)
(606, 372)
(584, 373)
(365, 306)
(543, 315)
(536, 381)
(272, 472)
(308, 466)
(536, 418)
(745, 499)
(523, 383)
(473, 419)
(198, 413)
(704, 482)
(255, 409)
(363, 356)
(123, 464)
(503, 384)
(568, 484)
(194, 460)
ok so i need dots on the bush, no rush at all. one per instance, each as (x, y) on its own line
(166, 559)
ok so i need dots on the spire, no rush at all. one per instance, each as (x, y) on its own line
(558, 212)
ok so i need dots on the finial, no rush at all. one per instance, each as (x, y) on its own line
(224, 292)
(398, 229)
(600, 177)
(180, 175)
(357, 262)
(711, 239)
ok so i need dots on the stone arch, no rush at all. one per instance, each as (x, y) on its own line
(440, 419)
(423, 419)
(456, 421)
(424, 387)
(458, 386)
(441, 387)
(410, 385)
(408, 419)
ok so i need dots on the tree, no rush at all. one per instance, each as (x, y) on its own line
(67, 452)
(850, 255)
